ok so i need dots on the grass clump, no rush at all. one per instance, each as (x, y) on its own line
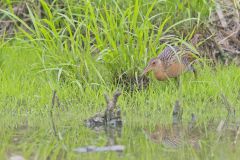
(76, 39)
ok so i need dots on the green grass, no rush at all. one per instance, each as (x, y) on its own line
(26, 103)
(77, 39)
(78, 51)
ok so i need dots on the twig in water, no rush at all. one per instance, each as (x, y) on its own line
(177, 114)
(228, 106)
(111, 105)
(224, 123)
(51, 112)
(177, 118)
(220, 126)
(116, 148)
(236, 137)
(192, 123)
(237, 133)
(110, 117)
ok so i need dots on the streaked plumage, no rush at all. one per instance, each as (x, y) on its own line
(171, 62)
(175, 54)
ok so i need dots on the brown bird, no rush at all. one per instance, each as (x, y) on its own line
(172, 62)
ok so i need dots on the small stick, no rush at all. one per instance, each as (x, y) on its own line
(177, 114)
(51, 112)
(236, 137)
(221, 16)
(231, 36)
(228, 106)
(53, 97)
(115, 97)
(106, 98)
(220, 126)
(116, 148)
(192, 123)
(220, 129)
(111, 104)
(224, 123)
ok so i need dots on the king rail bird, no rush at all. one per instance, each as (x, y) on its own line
(172, 62)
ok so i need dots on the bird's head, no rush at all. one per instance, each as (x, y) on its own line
(153, 64)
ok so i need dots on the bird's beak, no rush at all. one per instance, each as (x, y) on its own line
(146, 70)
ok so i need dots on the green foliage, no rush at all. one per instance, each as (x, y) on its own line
(25, 100)
(77, 50)
(118, 36)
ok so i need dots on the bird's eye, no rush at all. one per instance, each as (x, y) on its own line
(154, 63)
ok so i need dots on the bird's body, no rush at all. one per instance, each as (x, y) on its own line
(171, 63)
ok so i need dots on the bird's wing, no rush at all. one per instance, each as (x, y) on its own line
(169, 55)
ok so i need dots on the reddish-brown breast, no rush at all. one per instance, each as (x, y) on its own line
(170, 71)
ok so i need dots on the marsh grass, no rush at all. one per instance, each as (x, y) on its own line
(26, 102)
(77, 51)
(74, 41)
